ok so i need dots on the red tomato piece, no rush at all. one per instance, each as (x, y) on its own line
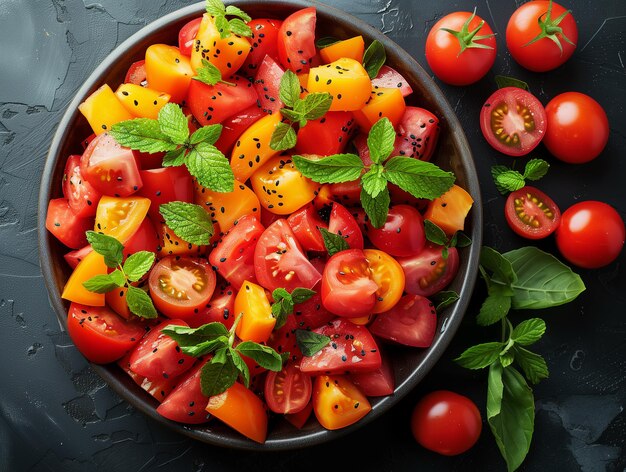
(418, 134)
(305, 224)
(296, 40)
(64, 225)
(429, 272)
(402, 234)
(388, 77)
(327, 135)
(100, 334)
(267, 85)
(377, 383)
(299, 419)
(158, 355)
(186, 403)
(187, 36)
(74, 257)
(279, 261)
(234, 255)
(221, 308)
(283, 339)
(264, 42)
(343, 223)
(411, 322)
(164, 185)
(531, 213)
(287, 391)
(159, 388)
(352, 348)
(82, 197)
(137, 74)
(233, 126)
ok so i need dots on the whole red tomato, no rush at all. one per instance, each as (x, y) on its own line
(591, 234)
(578, 128)
(460, 48)
(446, 422)
(541, 35)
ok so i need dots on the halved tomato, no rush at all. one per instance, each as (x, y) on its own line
(388, 275)
(531, 213)
(429, 272)
(337, 402)
(120, 217)
(287, 391)
(513, 121)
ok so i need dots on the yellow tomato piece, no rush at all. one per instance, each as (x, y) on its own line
(141, 102)
(172, 245)
(168, 71)
(280, 186)
(337, 402)
(388, 275)
(74, 291)
(120, 217)
(450, 210)
(352, 48)
(227, 54)
(227, 207)
(103, 109)
(252, 149)
(257, 321)
(346, 80)
(383, 103)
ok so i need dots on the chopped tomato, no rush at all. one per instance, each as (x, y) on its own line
(82, 197)
(382, 103)
(137, 74)
(74, 291)
(235, 125)
(221, 308)
(417, 134)
(65, 225)
(346, 193)
(164, 185)
(430, 272)
(377, 383)
(187, 36)
(264, 42)
(74, 257)
(102, 109)
(159, 388)
(186, 403)
(402, 234)
(337, 402)
(172, 245)
(257, 321)
(343, 223)
(287, 391)
(168, 71)
(305, 224)
(411, 322)
(388, 77)
(327, 135)
(296, 40)
(120, 217)
(300, 418)
(141, 102)
(267, 85)
(351, 47)
(450, 210)
(346, 80)
(283, 339)
(388, 275)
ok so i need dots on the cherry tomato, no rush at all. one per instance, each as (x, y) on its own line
(411, 322)
(429, 272)
(460, 48)
(591, 234)
(513, 121)
(296, 40)
(446, 422)
(100, 334)
(541, 35)
(187, 35)
(337, 402)
(402, 234)
(81, 195)
(64, 225)
(287, 391)
(180, 286)
(388, 275)
(531, 213)
(578, 128)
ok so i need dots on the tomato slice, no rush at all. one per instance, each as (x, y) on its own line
(429, 272)
(234, 255)
(352, 348)
(158, 356)
(305, 224)
(296, 40)
(388, 275)
(100, 334)
(287, 391)
(299, 419)
(337, 402)
(110, 168)
(159, 388)
(327, 135)
(164, 185)
(411, 322)
(280, 262)
(347, 286)
(82, 197)
(181, 286)
(513, 121)
(402, 234)
(186, 403)
(187, 35)
(120, 217)
(342, 222)
(65, 225)
(531, 214)
(264, 42)
(388, 77)
(377, 383)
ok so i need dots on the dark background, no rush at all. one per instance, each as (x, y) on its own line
(56, 414)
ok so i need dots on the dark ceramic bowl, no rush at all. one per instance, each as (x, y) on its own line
(453, 153)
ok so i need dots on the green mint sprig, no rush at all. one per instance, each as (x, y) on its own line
(132, 270)
(310, 343)
(188, 221)
(436, 235)
(374, 58)
(525, 278)
(420, 179)
(284, 303)
(209, 74)
(226, 365)
(226, 27)
(296, 111)
(509, 180)
(170, 133)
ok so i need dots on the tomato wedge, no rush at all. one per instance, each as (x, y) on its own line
(337, 402)
(296, 40)
(531, 213)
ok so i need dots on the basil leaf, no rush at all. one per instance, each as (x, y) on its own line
(309, 342)
(496, 306)
(325, 42)
(219, 374)
(503, 81)
(189, 337)
(242, 367)
(374, 58)
(301, 294)
(435, 234)
(480, 356)
(499, 265)
(265, 356)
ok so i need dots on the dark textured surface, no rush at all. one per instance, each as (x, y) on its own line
(56, 414)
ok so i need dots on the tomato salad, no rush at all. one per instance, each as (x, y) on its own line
(266, 283)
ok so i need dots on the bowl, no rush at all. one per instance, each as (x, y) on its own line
(452, 153)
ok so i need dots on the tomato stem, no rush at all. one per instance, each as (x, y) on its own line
(467, 38)
(550, 28)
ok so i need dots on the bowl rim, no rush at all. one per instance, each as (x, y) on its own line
(451, 324)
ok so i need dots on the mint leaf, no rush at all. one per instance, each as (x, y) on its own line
(137, 264)
(219, 374)
(480, 356)
(460, 239)
(381, 140)
(222, 25)
(529, 331)
(444, 299)
(108, 247)
(208, 74)
(174, 158)
(374, 58)
(435, 234)
(142, 134)
(495, 307)
(242, 367)
(198, 341)
(373, 181)
(232, 10)
(215, 8)
(289, 91)
(495, 171)
(315, 105)
(534, 366)
(283, 137)
(174, 123)
(333, 242)
(511, 180)
(504, 81)
(189, 222)
(207, 164)
(310, 342)
(421, 179)
(536, 169)
(301, 294)
(140, 303)
(499, 265)
(265, 356)
(207, 134)
(239, 28)
(377, 208)
(331, 169)
(292, 115)
(105, 283)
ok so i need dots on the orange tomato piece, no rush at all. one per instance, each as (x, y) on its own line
(102, 109)
(242, 410)
(351, 47)
(337, 402)
(227, 207)
(383, 103)
(74, 291)
(303, 78)
(257, 321)
(120, 217)
(346, 80)
(450, 210)
(168, 71)
(116, 300)
(252, 149)
(172, 245)
(227, 54)
(141, 102)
